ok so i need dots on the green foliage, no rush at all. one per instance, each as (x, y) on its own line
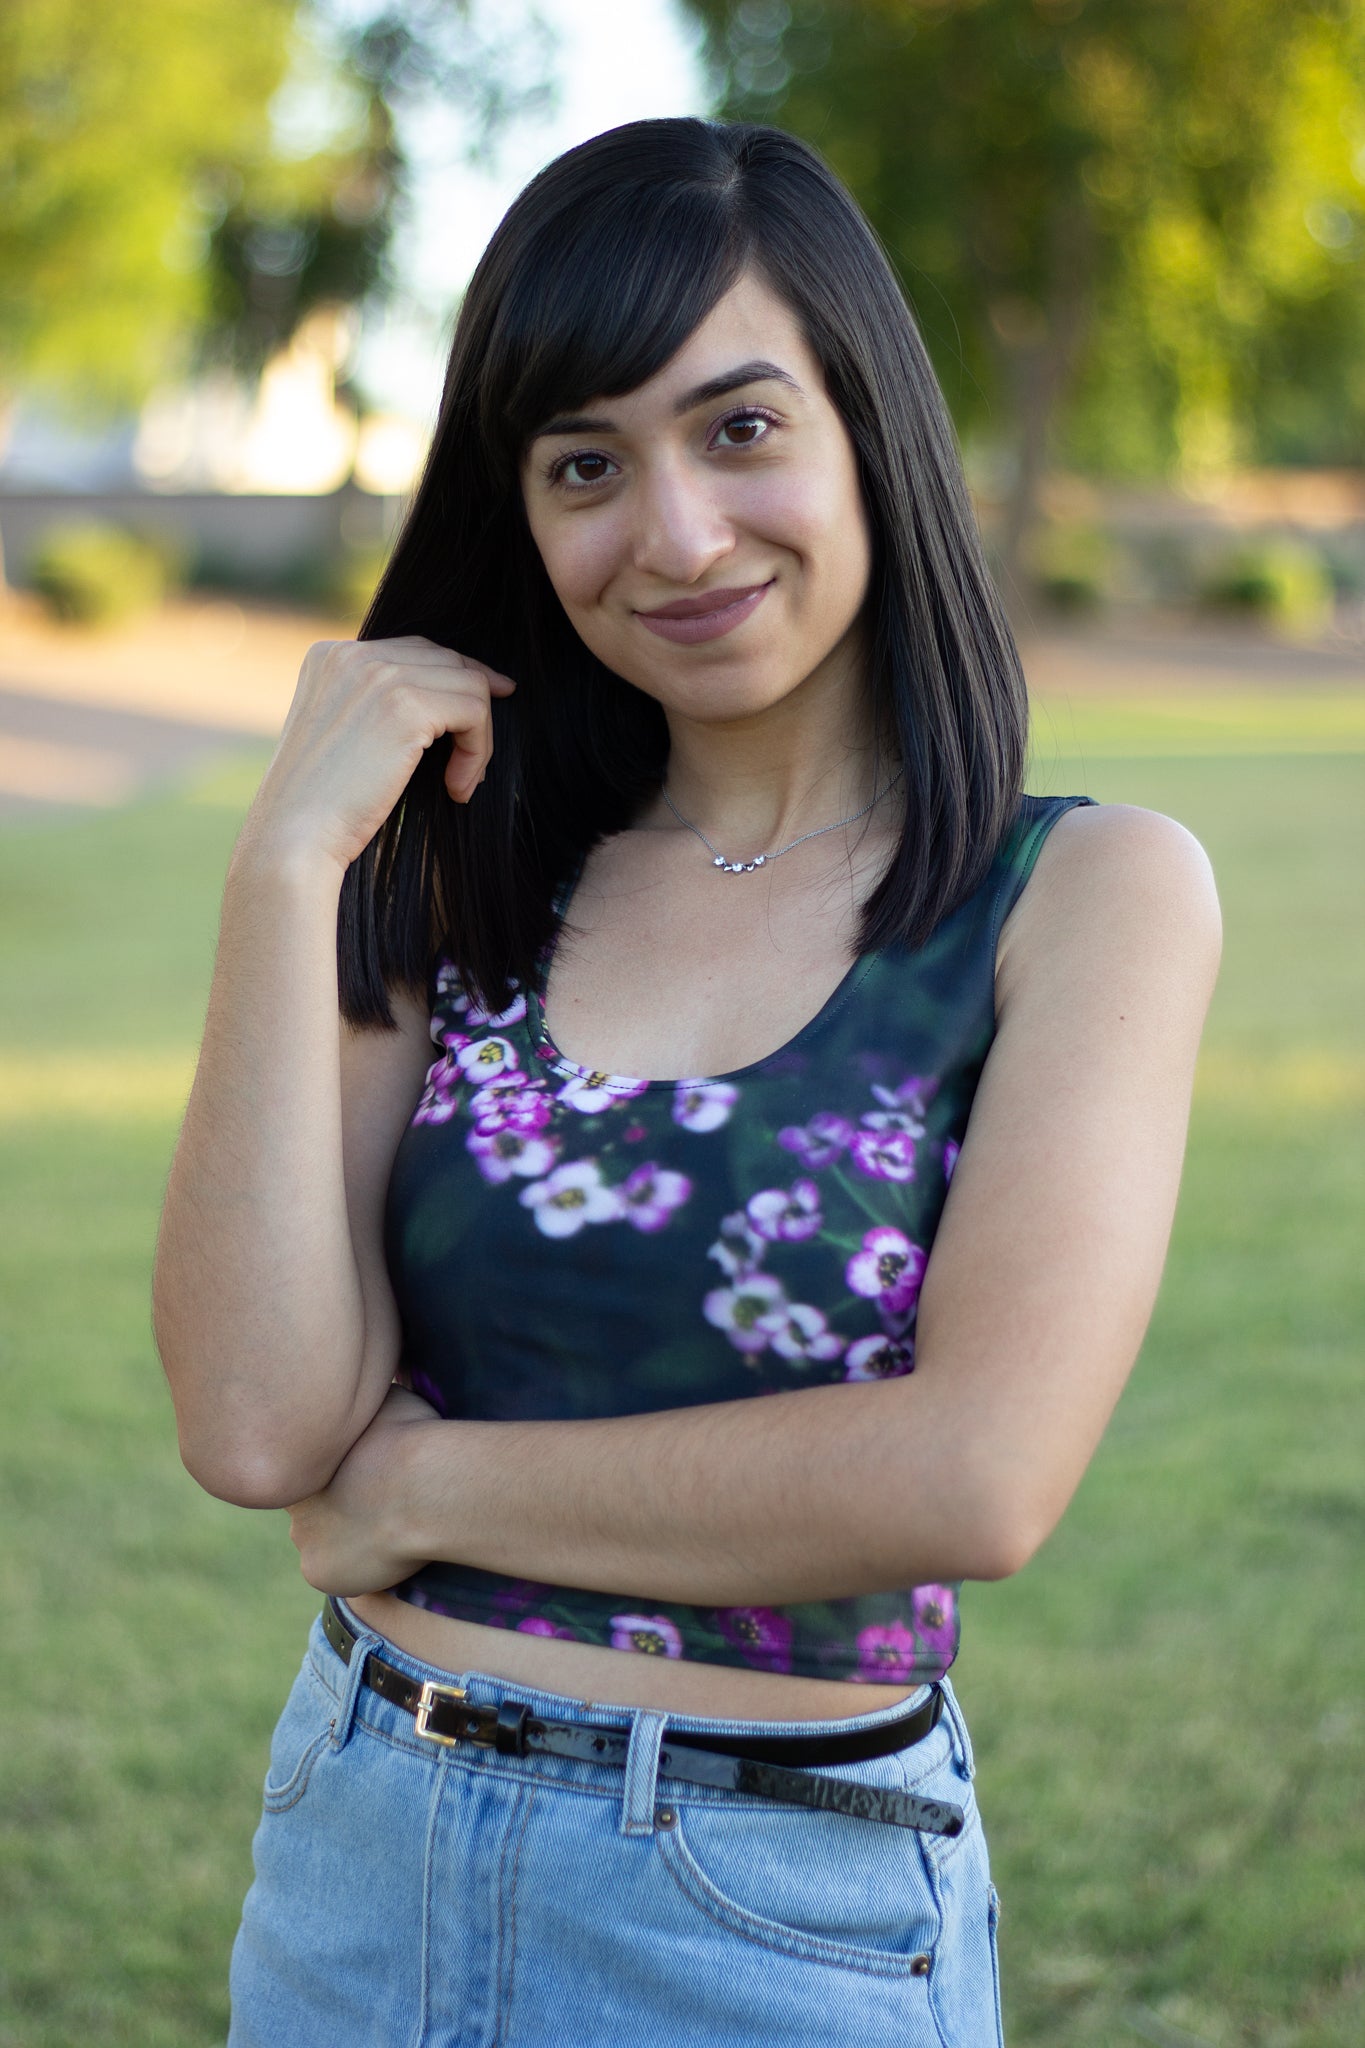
(1073, 565)
(112, 119)
(1141, 222)
(155, 202)
(1281, 580)
(89, 573)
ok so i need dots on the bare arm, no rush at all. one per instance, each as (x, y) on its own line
(1039, 1288)
(271, 1306)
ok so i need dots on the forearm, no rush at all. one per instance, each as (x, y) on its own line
(257, 1302)
(820, 1494)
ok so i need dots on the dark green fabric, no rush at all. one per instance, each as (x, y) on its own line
(568, 1244)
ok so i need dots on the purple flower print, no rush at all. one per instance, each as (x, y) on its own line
(703, 1105)
(879, 1358)
(633, 1133)
(654, 1635)
(572, 1196)
(913, 1096)
(500, 1154)
(739, 1249)
(486, 1058)
(799, 1331)
(786, 1217)
(932, 1610)
(763, 1639)
(820, 1141)
(449, 1036)
(651, 1194)
(590, 1094)
(515, 1101)
(422, 1384)
(448, 986)
(537, 1625)
(437, 1105)
(950, 1152)
(883, 1155)
(742, 1311)
(885, 1655)
(892, 1120)
(480, 1019)
(888, 1270)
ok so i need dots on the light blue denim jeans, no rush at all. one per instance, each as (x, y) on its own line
(413, 1896)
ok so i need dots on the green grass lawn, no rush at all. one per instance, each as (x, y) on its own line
(1169, 1704)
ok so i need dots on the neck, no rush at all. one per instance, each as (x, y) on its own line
(755, 784)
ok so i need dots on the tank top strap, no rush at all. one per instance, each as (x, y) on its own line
(1019, 853)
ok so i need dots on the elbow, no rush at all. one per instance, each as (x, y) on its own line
(1004, 1532)
(253, 1475)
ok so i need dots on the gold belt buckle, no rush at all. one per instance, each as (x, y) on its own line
(431, 1693)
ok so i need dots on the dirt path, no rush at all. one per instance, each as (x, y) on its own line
(90, 719)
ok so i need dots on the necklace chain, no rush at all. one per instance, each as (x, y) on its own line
(763, 860)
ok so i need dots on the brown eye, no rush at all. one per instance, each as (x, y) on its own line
(580, 471)
(743, 430)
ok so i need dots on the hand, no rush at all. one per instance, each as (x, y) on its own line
(364, 713)
(351, 1536)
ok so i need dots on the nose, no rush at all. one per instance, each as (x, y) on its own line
(681, 528)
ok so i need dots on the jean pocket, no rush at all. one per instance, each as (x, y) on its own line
(849, 1892)
(301, 1734)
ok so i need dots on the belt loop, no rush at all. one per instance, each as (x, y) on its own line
(364, 1647)
(642, 1772)
(966, 1761)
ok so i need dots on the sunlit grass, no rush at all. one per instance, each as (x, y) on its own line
(1182, 725)
(1167, 1703)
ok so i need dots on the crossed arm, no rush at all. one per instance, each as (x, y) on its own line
(1039, 1288)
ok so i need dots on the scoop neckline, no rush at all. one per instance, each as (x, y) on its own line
(637, 1084)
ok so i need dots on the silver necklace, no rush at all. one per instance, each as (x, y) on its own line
(763, 860)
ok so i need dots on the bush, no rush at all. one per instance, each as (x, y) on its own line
(1279, 580)
(89, 573)
(1073, 566)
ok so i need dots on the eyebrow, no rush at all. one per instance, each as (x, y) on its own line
(701, 394)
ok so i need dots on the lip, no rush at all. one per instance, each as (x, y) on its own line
(693, 619)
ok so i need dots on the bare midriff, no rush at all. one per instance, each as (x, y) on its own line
(593, 1675)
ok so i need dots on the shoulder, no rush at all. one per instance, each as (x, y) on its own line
(1113, 883)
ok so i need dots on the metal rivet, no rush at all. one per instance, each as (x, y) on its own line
(665, 1816)
(332, 1725)
(919, 1966)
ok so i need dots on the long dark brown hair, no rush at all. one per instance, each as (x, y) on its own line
(598, 273)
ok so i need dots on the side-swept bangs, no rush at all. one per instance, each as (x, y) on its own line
(598, 273)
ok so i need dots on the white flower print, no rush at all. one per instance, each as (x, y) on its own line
(703, 1105)
(739, 1249)
(799, 1331)
(590, 1094)
(742, 1311)
(480, 1019)
(782, 1215)
(486, 1058)
(572, 1196)
(504, 1152)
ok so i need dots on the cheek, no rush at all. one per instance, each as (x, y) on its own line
(579, 559)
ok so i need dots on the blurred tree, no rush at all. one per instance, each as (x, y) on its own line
(152, 202)
(1134, 230)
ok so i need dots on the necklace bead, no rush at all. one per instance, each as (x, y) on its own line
(748, 867)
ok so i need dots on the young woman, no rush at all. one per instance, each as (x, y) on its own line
(673, 789)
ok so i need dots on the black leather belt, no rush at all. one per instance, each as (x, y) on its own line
(761, 1765)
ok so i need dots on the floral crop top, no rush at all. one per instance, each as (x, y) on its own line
(565, 1243)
